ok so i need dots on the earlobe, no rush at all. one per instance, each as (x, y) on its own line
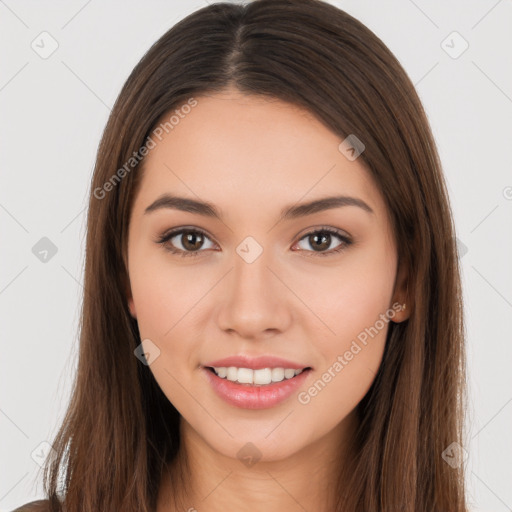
(401, 311)
(131, 307)
(404, 313)
(401, 300)
(131, 303)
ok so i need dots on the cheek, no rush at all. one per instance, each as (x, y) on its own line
(162, 293)
(166, 305)
(164, 302)
(350, 297)
(349, 357)
(354, 307)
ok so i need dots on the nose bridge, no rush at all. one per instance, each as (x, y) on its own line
(251, 276)
(251, 261)
(253, 300)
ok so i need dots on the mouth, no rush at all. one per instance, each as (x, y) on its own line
(261, 388)
(255, 378)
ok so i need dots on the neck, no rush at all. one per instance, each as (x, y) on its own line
(200, 478)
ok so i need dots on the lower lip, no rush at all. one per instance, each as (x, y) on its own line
(255, 397)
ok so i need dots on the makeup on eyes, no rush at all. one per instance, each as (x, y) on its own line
(315, 235)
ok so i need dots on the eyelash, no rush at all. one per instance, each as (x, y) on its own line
(179, 252)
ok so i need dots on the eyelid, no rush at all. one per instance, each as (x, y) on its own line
(345, 238)
(323, 227)
(171, 233)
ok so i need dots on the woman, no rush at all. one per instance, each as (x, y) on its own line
(272, 314)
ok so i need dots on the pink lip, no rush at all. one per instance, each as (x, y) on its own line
(256, 363)
(248, 396)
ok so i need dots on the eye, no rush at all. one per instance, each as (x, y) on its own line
(322, 238)
(191, 240)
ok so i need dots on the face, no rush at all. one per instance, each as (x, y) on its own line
(315, 287)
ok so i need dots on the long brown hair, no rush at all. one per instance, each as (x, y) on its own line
(120, 430)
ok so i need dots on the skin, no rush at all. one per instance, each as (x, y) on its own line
(251, 157)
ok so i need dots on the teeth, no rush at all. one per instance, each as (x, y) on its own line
(277, 374)
(288, 374)
(221, 372)
(232, 373)
(245, 375)
(258, 377)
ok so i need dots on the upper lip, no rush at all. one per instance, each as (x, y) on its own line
(255, 363)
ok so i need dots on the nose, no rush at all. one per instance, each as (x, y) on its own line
(254, 303)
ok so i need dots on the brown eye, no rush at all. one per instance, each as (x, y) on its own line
(321, 240)
(184, 242)
(191, 240)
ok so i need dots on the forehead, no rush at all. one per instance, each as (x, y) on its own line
(232, 147)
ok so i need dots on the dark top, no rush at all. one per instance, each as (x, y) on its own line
(34, 506)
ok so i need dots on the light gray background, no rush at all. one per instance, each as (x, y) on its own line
(52, 115)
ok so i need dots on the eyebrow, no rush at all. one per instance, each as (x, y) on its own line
(289, 212)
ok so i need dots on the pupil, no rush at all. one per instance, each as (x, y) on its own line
(191, 239)
(324, 244)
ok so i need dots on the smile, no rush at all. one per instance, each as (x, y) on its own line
(250, 389)
(261, 377)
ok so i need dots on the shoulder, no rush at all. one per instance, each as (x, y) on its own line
(34, 506)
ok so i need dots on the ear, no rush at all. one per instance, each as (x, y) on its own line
(131, 307)
(129, 298)
(128, 288)
(401, 295)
